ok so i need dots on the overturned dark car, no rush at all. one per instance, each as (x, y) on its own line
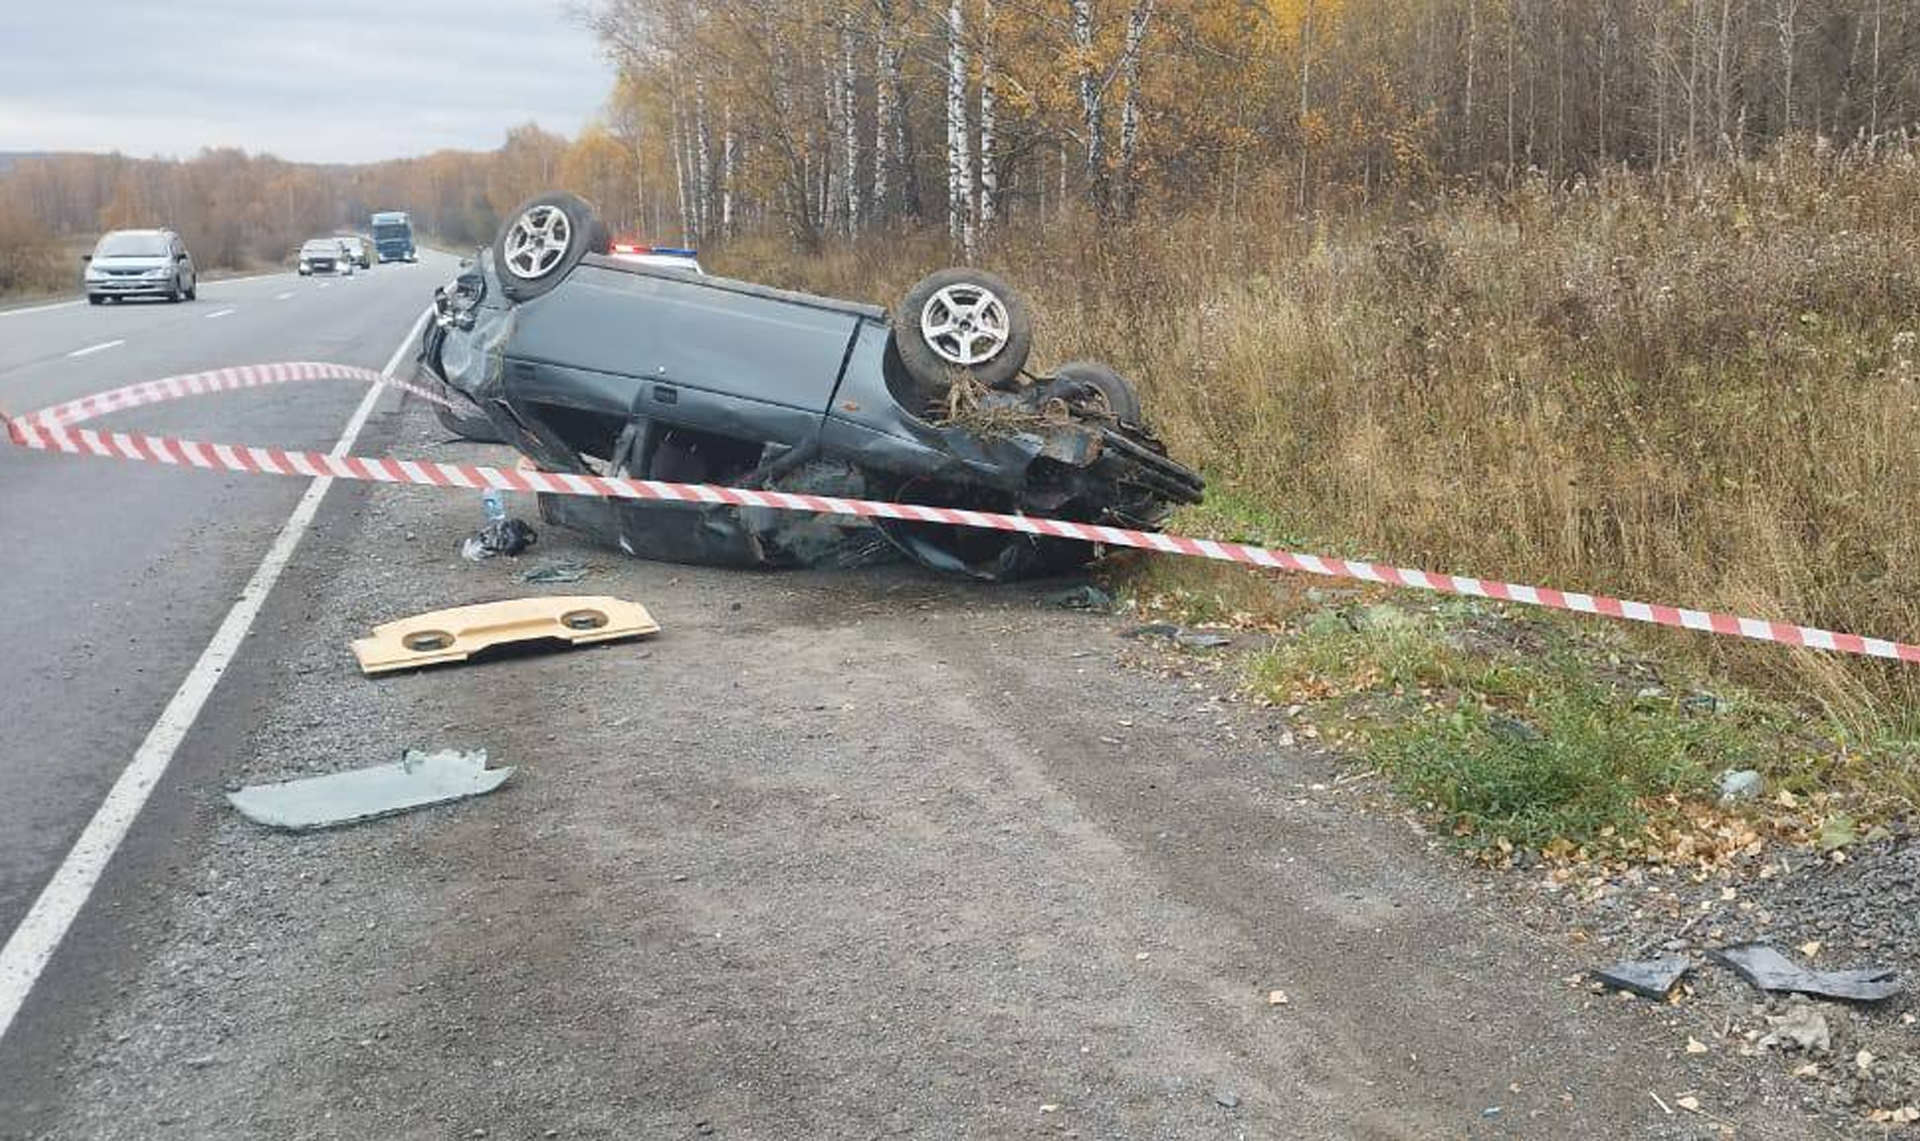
(593, 363)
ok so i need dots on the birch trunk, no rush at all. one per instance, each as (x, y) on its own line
(849, 132)
(726, 170)
(989, 175)
(703, 160)
(1306, 71)
(677, 142)
(884, 81)
(1137, 20)
(959, 151)
(1092, 110)
(1786, 22)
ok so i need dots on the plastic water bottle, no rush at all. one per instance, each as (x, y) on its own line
(494, 504)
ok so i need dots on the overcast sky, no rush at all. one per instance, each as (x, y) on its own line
(314, 80)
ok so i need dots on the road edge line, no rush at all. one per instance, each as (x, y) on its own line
(32, 945)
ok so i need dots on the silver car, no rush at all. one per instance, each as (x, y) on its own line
(140, 263)
(325, 255)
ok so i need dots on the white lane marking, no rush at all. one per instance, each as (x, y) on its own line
(99, 348)
(283, 296)
(31, 946)
(324, 284)
(221, 313)
(210, 282)
(37, 308)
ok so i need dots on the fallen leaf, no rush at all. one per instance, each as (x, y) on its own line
(1690, 1104)
(1864, 1059)
(1811, 948)
(1696, 1046)
(1810, 1070)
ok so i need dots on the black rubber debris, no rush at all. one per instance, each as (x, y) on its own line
(1649, 978)
(1768, 969)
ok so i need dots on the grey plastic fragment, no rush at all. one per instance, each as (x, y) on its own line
(1768, 969)
(1180, 635)
(1741, 785)
(417, 780)
(1649, 978)
(561, 571)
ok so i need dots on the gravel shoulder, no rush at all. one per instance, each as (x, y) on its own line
(836, 854)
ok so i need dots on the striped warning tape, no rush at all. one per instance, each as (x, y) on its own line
(55, 429)
(215, 380)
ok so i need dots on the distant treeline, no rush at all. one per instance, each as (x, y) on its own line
(236, 209)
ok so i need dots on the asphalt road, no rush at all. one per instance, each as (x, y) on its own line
(116, 575)
(856, 854)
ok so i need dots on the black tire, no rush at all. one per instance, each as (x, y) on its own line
(95, 299)
(990, 339)
(1076, 381)
(174, 295)
(542, 240)
(193, 291)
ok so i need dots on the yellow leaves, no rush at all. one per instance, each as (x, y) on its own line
(1291, 18)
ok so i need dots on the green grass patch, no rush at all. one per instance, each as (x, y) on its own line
(1503, 731)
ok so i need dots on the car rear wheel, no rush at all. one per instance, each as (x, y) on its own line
(543, 239)
(963, 321)
(95, 299)
(1081, 381)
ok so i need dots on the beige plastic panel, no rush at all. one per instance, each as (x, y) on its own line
(455, 635)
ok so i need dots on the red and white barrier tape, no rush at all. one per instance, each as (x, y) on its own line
(53, 429)
(217, 380)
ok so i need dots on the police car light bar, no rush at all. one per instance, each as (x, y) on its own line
(664, 251)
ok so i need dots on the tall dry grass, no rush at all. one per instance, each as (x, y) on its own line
(1698, 389)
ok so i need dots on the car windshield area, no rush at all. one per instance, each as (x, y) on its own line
(321, 246)
(132, 244)
(390, 230)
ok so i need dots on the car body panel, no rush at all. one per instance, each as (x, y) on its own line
(660, 327)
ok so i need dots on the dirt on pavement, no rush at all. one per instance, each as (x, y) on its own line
(857, 854)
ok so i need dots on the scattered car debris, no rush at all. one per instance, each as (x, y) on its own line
(1740, 785)
(593, 364)
(561, 571)
(1649, 978)
(1180, 635)
(457, 634)
(1800, 1027)
(416, 780)
(1085, 596)
(1765, 967)
(499, 537)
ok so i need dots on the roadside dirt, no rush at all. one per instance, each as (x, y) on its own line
(857, 854)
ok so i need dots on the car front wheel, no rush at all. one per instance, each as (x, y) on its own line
(543, 239)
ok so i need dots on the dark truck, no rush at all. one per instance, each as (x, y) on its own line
(393, 236)
(589, 363)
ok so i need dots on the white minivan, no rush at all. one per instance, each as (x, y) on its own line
(140, 263)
